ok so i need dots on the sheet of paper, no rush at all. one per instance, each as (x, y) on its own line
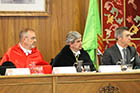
(17, 71)
(57, 70)
(109, 68)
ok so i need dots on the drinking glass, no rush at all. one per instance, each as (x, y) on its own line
(123, 67)
(79, 66)
(129, 67)
(87, 68)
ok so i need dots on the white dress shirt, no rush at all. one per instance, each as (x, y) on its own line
(76, 53)
(121, 50)
(26, 51)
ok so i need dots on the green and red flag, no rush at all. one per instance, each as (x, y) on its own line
(92, 28)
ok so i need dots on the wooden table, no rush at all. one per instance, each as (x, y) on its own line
(119, 82)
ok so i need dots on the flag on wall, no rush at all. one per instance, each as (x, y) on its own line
(100, 49)
(92, 28)
(100, 45)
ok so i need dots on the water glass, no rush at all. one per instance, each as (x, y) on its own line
(87, 68)
(124, 67)
(129, 67)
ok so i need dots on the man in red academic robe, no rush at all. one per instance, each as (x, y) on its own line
(25, 54)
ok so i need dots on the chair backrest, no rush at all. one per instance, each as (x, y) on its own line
(52, 61)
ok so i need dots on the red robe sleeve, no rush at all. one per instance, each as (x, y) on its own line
(4, 58)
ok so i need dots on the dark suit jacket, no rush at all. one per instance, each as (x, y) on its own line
(67, 58)
(112, 56)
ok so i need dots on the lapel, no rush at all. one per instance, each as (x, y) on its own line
(128, 55)
(117, 53)
(69, 54)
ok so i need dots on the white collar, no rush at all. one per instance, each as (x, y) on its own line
(120, 48)
(76, 53)
(26, 51)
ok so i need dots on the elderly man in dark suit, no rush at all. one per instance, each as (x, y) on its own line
(72, 52)
(121, 51)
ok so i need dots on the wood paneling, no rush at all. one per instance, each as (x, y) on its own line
(117, 82)
(66, 15)
(26, 84)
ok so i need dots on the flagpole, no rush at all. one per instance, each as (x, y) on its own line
(96, 59)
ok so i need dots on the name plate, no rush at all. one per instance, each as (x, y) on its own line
(58, 70)
(17, 71)
(109, 68)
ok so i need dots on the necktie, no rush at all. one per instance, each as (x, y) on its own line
(77, 58)
(124, 55)
(76, 54)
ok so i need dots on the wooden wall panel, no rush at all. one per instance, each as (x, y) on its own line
(66, 15)
(116, 82)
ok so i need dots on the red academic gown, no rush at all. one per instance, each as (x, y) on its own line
(16, 55)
